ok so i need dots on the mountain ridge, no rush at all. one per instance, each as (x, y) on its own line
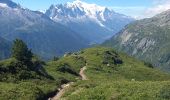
(39, 32)
(79, 15)
(146, 39)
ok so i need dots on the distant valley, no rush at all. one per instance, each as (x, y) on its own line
(49, 37)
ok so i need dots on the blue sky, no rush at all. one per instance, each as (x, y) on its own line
(134, 8)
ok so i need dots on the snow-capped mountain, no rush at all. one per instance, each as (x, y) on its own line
(44, 36)
(96, 23)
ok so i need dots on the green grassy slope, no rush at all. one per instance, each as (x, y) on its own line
(112, 76)
(66, 68)
(127, 80)
(17, 82)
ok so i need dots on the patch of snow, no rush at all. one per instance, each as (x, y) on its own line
(3, 5)
(91, 10)
(42, 11)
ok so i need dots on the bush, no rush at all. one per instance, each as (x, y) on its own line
(66, 68)
(63, 81)
(14, 70)
(148, 64)
(111, 57)
(21, 52)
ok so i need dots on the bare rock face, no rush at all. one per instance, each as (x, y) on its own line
(146, 39)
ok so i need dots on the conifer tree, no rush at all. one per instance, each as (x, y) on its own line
(21, 52)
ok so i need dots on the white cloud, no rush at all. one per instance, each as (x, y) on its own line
(156, 10)
(133, 11)
(159, 6)
(140, 12)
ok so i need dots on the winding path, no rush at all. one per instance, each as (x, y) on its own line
(65, 87)
(83, 76)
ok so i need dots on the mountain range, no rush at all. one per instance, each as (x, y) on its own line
(93, 22)
(96, 73)
(46, 34)
(146, 39)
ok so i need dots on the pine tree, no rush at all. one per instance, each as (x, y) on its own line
(21, 52)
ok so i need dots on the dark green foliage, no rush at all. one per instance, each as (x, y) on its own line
(21, 52)
(148, 64)
(22, 66)
(63, 81)
(14, 70)
(111, 57)
(66, 68)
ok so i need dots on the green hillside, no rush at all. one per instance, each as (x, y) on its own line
(114, 76)
(24, 76)
(111, 76)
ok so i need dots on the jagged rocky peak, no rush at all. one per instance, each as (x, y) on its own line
(77, 9)
(96, 22)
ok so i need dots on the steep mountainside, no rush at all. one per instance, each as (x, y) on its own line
(44, 36)
(93, 22)
(5, 47)
(146, 39)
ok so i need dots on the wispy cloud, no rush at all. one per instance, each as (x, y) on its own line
(140, 12)
(133, 11)
(159, 6)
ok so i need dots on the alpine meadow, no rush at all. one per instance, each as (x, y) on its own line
(84, 50)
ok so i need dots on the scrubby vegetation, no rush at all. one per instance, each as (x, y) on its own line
(111, 76)
(24, 76)
(129, 79)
